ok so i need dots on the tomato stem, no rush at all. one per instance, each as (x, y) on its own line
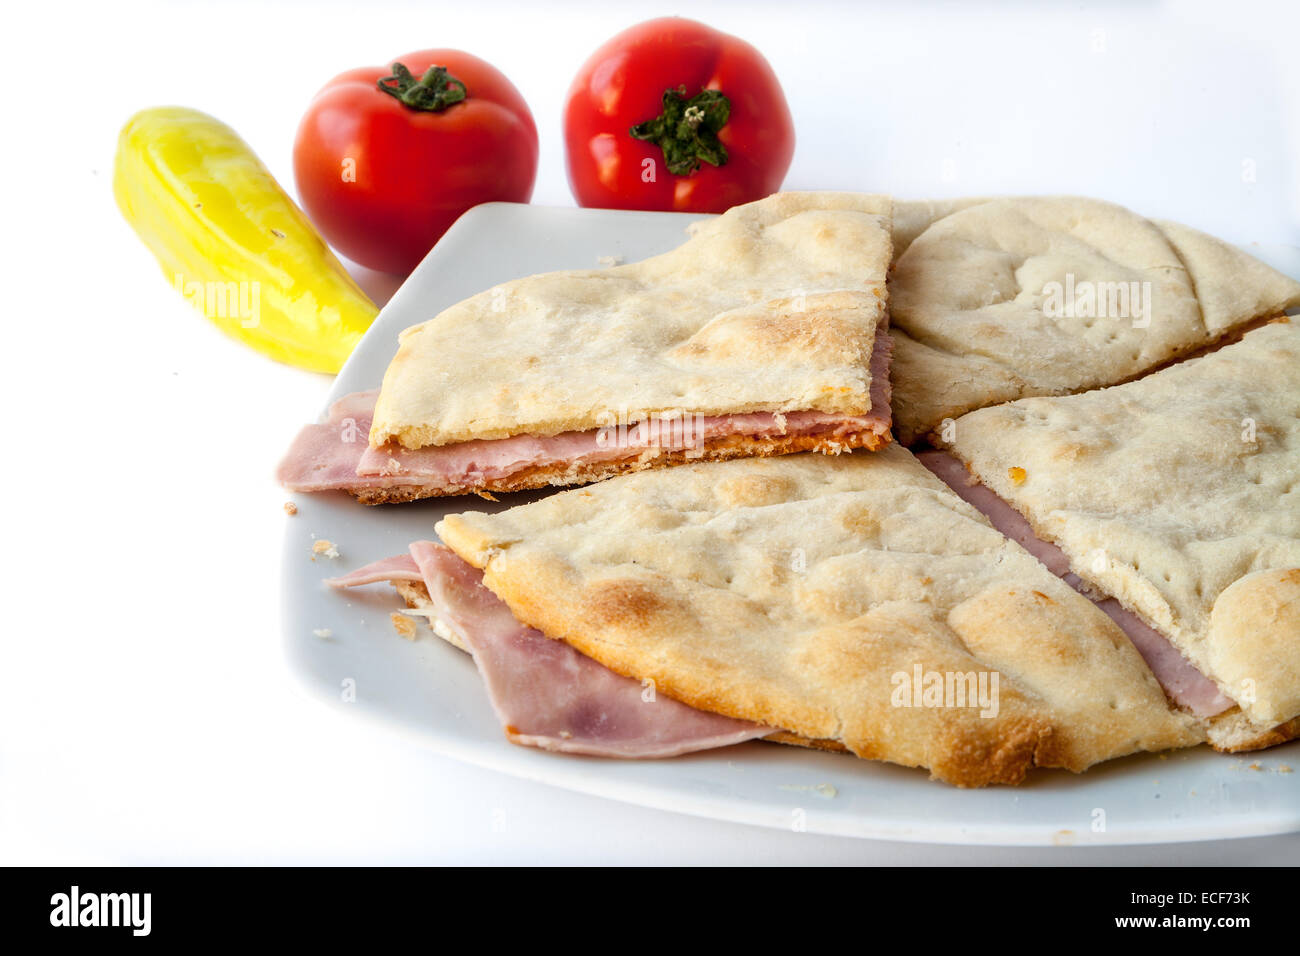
(687, 129)
(433, 92)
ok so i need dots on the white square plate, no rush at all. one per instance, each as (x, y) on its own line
(428, 688)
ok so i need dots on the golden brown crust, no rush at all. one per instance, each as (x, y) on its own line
(958, 747)
(686, 578)
(561, 475)
(794, 740)
(1235, 734)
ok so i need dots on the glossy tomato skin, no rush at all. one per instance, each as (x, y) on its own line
(383, 181)
(623, 84)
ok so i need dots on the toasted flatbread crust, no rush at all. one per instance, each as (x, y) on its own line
(915, 362)
(772, 306)
(1179, 494)
(560, 475)
(913, 216)
(1231, 286)
(969, 302)
(1235, 733)
(792, 591)
(1229, 733)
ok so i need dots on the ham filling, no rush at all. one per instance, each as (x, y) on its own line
(545, 693)
(336, 455)
(399, 568)
(1184, 684)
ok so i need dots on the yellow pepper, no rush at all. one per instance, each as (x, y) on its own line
(233, 242)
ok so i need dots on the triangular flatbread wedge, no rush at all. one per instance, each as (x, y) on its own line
(763, 334)
(1016, 297)
(851, 602)
(1179, 495)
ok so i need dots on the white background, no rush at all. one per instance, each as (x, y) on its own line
(146, 713)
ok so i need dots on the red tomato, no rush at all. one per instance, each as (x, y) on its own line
(383, 177)
(672, 114)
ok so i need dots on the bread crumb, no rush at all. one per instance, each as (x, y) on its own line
(1017, 475)
(565, 734)
(323, 632)
(1285, 768)
(486, 495)
(609, 260)
(290, 508)
(326, 547)
(1254, 766)
(403, 625)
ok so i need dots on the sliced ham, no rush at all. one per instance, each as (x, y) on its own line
(545, 693)
(953, 473)
(1184, 684)
(476, 463)
(399, 568)
(1177, 675)
(336, 455)
(324, 457)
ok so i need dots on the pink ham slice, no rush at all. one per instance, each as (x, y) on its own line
(1184, 684)
(336, 455)
(545, 693)
(324, 457)
(399, 568)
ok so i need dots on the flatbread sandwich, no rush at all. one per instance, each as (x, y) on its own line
(850, 603)
(763, 334)
(1094, 550)
(1175, 500)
